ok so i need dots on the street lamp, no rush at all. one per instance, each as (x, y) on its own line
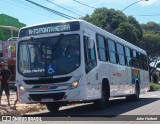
(133, 4)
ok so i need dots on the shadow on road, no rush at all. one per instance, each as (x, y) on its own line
(116, 107)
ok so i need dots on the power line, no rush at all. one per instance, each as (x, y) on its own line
(85, 4)
(14, 4)
(148, 15)
(21, 7)
(62, 7)
(51, 10)
(133, 4)
(37, 10)
(48, 9)
(71, 8)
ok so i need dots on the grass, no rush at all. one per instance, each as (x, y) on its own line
(154, 86)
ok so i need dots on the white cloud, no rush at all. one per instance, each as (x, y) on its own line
(149, 2)
(107, 2)
(116, 4)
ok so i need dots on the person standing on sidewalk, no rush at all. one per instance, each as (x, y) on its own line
(5, 78)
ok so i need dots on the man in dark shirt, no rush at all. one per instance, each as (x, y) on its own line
(4, 82)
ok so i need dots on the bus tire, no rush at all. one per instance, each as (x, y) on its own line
(53, 107)
(134, 97)
(104, 101)
(137, 90)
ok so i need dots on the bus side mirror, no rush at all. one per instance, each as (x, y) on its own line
(90, 43)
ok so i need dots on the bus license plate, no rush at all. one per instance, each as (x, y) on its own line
(47, 100)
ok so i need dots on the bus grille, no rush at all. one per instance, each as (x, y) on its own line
(55, 96)
(48, 80)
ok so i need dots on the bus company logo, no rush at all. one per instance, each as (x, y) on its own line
(135, 76)
(117, 74)
(53, 87)
(136, 73)
(43, 87)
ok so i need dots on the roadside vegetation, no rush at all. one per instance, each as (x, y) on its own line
(154, 86)
(146, 36)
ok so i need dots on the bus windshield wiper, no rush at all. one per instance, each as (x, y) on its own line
(58, 40)
(60, 37)
(32, 41)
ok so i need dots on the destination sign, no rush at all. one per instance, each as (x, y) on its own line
(49, 28)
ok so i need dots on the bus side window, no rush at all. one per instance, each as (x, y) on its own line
(141, 61)
(102, 48)
(120, 52)
(135, 63)
(128, 56)
(145, 62)
(90, 56)
(112, 51)
(138, 62)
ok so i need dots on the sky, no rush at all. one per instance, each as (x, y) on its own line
(30, 14)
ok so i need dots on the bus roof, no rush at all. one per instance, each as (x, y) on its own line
(91, 27)
(50, 22)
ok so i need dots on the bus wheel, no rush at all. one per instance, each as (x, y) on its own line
(104, 101)
(53, 107)
(137, 90)
(134, 97)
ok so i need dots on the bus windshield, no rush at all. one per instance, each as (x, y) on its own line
(49, 56)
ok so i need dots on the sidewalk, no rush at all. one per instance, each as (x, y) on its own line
(21, 108)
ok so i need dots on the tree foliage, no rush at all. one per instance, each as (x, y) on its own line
(138, 29)
(127, 32)
(147, 36)
(151, 38)
(151, 26)
(117, 23)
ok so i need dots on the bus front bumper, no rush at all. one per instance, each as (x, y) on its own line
(80, 93)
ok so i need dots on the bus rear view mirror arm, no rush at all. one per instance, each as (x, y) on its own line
(90, 43)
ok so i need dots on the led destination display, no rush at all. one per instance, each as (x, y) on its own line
(49, 28)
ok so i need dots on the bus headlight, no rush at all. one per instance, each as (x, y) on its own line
(75, 83)
(21, 88)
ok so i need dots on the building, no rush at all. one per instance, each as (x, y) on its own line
(9, 27)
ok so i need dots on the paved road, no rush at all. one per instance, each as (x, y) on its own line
(148, 105)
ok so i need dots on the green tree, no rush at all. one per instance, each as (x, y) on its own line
(138, 29)
(127, 31)
(151, 38)
(113, 21)
(151, 26)
(107, 19)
